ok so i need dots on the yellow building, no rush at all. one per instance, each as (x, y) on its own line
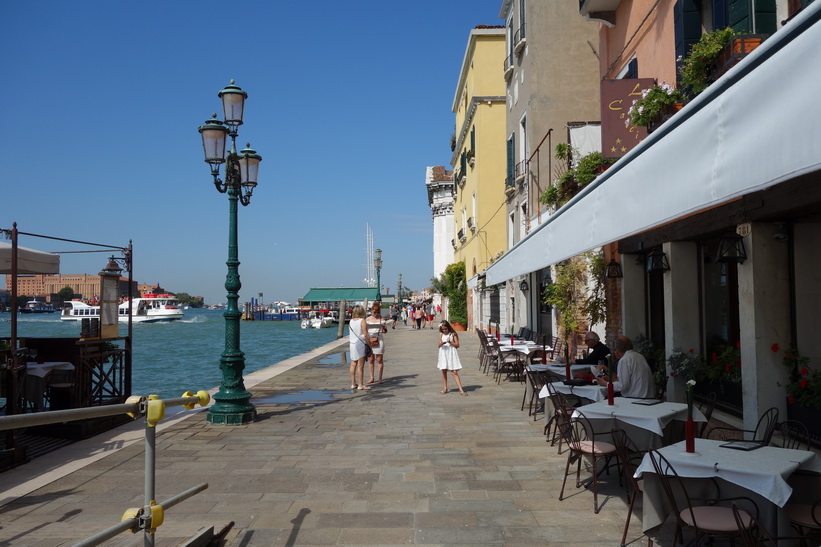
(479, 157)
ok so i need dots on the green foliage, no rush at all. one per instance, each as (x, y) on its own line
(456, 290)
(654, 100)
(595, 305)
(804, 387)
(186, 299)
(654, 356)
(566, 292)
(700, 61)
(683, 364)
(722, 363)
(572, 179)
(66, 293)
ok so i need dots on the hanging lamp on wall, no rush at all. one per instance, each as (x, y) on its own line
(657, 261)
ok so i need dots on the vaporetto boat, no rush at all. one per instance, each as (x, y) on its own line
(152, 308)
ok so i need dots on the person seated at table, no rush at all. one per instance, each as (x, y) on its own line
(598, 351)
(634, 373)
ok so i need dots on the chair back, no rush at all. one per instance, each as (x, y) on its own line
(60, 377)
(794, 434)
(766, 426)
(536, 356)
(751, 533)
(671, 483)
(627, 453)
(707, 406)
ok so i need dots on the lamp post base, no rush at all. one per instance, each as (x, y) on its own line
(232, 410)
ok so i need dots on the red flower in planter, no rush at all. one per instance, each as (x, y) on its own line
(714, 357)
(775, 348)
(727, 367)
(803, 383)
(738, 345)
(790, 399)
(805, 371)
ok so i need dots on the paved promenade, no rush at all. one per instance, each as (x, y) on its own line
(399, 464)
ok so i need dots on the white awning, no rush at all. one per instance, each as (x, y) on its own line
(29, 261)
(760, 124)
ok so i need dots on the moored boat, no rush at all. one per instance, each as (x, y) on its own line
(35, 306)
(152, 308)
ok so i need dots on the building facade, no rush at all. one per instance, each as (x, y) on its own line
(552, 94)
(712, 217)
(439, 182)
(478, 158)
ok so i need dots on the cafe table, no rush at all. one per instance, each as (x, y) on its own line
(35, 379)
(591, 392)
(760, 474)
(647, 425)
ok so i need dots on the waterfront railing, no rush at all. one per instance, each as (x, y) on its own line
(151, 515)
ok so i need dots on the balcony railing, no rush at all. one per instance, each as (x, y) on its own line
(508, 66)
(519, 39)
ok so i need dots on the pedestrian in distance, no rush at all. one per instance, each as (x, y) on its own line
(377, 327)
(417, 315)
(357, 333)
(449, 357)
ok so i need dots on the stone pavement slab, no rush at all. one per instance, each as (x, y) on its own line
(324, 465)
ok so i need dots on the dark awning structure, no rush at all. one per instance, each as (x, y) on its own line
(335, 294)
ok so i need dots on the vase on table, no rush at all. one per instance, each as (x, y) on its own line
(611, 394)
(690, 425)
(690, 436)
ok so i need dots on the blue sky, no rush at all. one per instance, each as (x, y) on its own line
(348, 102)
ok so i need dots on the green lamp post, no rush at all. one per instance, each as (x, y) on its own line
(377, 263)
(232, 404)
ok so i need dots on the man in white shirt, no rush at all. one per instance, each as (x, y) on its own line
(635, 374)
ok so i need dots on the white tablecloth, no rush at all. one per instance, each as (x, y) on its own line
(760, 474)
(35, 379)
(653, 418)
(591, 392)
(42, 369)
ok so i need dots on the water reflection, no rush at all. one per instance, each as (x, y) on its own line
(333, 360)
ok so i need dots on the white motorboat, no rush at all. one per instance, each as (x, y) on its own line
(316, 320)
(152, 308)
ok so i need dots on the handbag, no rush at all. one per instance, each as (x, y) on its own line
(368, 350)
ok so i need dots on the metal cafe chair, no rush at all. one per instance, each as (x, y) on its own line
(762, 433)
(581, 441)
(703, 515)
(628, 454)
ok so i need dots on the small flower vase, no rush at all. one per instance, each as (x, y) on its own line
(690, 436)
(611, 394)
(567, 371)
(511, 339)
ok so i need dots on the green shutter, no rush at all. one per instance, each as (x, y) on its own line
(510, 157)
(766, 21)
(740, 18)
(687, 25)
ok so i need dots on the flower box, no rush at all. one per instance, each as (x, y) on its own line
(735, 50)
(666, 113)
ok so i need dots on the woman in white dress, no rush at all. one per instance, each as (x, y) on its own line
(357, 333)
(448, 357)
(376, 328)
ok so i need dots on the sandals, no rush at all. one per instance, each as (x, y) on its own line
(463, 393)
(364, 388)
(444, 392)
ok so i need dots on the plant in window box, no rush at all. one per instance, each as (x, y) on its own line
(804, 388)
(655, 103)
(683, 364)
(697, 68)
(471, 156)
(722, 364)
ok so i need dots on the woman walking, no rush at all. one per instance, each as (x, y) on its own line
(448, 357)
(376, 328)
(357, 333)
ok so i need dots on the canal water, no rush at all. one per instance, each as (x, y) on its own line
(178, 356)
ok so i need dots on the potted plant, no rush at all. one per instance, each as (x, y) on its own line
(656, 105)
(571, 180)
(697, 68)
(471, 156)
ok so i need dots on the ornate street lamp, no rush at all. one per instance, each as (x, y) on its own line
(232, 402)
(377, 263)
